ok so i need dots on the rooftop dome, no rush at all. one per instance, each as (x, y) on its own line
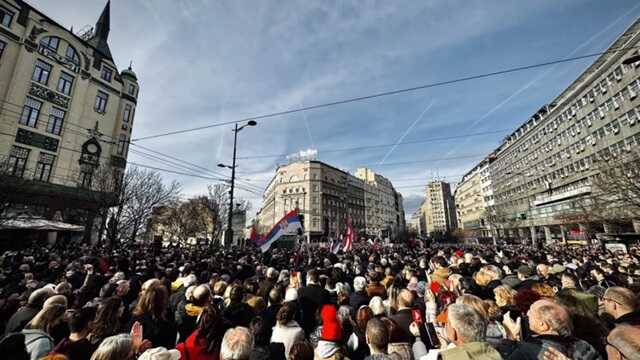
(129, 72)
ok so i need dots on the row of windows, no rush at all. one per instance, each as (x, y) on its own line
(583, 164)
(510, 165)
(42, 72)
(31, 113)
(18, 158)
(613, 103)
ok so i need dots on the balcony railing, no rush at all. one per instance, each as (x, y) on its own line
(551, 197)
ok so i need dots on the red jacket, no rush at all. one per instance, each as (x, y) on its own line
(193, 349)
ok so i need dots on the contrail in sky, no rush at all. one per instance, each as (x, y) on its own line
(537, 78)
(405, 133)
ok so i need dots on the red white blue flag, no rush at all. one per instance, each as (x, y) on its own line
(290, 224)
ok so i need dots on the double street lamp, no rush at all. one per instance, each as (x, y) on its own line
(229, 232)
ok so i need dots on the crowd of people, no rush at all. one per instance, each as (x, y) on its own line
(78, 302)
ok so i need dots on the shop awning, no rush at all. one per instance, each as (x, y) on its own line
(22, 223)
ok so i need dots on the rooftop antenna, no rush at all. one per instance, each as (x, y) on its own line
(130, 64)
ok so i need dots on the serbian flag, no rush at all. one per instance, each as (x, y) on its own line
(336, 244)
(348, 238)
(288, 225)
(254, 237)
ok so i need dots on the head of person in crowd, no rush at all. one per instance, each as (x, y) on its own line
(543, 289)
(524, 299)
(543, 271)
(291, 295)
(301, 350)
(39, 296)
(623, 343)
(153, 302)
(79, 322)
(474, 302)
(464, 325)
(549, 318)
(504, 296)
(377, 306)
(219, 288)
(275, 296)
(46, 319)
(286, 314)
(363, 315)
(524, 272)
(201, 295)
(377, 336)
(108, 318)
(237, 344)
(568, 280)
(117, 347)
(619, 301)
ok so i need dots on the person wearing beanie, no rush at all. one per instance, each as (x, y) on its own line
(359, 296)
(329, 346)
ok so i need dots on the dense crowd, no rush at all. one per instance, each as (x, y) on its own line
(77, 302)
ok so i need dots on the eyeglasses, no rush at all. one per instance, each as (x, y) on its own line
(610, 299)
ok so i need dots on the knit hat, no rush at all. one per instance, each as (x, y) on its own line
(331, 329)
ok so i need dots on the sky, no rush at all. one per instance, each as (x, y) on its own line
(203, 62)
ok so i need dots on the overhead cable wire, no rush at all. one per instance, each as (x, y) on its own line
(385, 93)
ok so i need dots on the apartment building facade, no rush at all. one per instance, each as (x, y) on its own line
(67, 113)
(543, 172)
(474, 202)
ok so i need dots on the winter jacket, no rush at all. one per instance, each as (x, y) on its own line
(471, 351)
(159, 332)
(75, 350)
(358, 299)
(19, 320)
(37, 342)
(287, 334)
(194, 349)
(186, 317)
(310, 299)
(574, 348)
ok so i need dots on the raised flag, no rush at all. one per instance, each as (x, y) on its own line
(348, 238)
(289, 225)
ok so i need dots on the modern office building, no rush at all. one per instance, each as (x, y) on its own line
(542, 174)
(66, 115)
(439, 209)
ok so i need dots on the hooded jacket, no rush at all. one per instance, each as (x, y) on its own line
(37, 342)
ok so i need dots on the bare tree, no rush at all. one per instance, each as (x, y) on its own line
(615, 189)
(218, 205)
(190, 219)
(139, 192)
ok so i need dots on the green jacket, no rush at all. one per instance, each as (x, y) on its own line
(471, 351)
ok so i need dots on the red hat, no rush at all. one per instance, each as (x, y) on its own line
(331, 329)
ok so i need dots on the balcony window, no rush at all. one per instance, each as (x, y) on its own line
(65, 83)
(41, 72)
(18, 160)
(5, 17)
(56, 119)
(132, 90)
(30, 112)
(44, 166)
(101, 102)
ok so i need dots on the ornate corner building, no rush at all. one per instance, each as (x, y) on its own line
(66, 114)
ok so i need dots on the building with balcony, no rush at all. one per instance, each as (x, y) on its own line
(542, 174)
(66, 115)
(384, 205)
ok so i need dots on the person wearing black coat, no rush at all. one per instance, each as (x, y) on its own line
(237, 312)
(310, 299)
(19, 320)
(359, 296)
(151, 313)
(403, 317)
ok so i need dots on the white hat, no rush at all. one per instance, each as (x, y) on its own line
(160, 353)
(291, 295)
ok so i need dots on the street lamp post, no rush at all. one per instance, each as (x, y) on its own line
(229, 233)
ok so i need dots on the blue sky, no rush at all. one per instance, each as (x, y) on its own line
(201, 62)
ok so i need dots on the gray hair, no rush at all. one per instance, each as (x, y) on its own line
(467, 322)
(557, 317)
(359, 283)
(626, 339)
(237, 344)
(114, 348)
